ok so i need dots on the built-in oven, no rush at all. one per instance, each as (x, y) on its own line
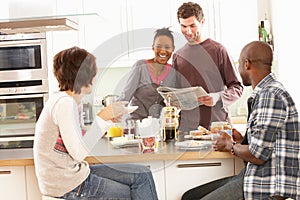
(23, 87)
(18, 116)
(23, 57)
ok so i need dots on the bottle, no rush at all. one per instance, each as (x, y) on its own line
(263, 35)
(270, 40)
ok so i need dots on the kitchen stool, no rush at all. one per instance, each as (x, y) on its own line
(50, 198)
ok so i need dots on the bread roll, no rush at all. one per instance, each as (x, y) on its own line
(203, 130)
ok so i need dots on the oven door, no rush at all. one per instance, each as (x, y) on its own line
(23, 60)
(18, 116)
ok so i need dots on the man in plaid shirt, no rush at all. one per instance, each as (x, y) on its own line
(271, 145)
(273, 150)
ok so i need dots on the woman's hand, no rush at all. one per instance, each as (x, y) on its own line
(114, 111)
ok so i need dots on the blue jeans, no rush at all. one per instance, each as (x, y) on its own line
(229, 188)
(116, 182)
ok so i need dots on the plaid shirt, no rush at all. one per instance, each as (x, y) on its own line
(273, 135)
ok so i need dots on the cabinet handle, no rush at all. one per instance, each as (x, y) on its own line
(5, 172)
(199, 165)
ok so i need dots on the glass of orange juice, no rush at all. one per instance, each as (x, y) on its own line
(115, 131)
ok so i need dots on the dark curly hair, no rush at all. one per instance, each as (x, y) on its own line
(189, 9)
(165, 32)
(74, 68)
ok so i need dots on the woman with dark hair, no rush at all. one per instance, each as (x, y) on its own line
(60, 145)
(147, 74)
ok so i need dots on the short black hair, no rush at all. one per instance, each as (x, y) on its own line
(164, 32)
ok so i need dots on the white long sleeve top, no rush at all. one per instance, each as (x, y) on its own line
(60, 145)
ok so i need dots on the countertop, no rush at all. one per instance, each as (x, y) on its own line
(104, 152)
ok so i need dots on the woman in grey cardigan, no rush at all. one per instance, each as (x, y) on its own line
(147, 74)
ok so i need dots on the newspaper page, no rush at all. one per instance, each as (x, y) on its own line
(183, 98)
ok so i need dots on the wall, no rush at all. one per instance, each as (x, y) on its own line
(286, 44)
(104, 26)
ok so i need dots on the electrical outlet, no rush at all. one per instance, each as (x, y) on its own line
(97, 101)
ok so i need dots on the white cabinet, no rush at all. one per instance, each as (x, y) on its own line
(30, 8)
(33, 192)
(19, 183)
(107, 32)
(124, 30)
(12, 183)
(172, 178)
(184, 175)
(143, 18)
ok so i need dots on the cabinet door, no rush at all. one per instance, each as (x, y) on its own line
(184, 175)
(33, 192)
(106, 35)
(12, 182)
(144, 17)
(158, 172)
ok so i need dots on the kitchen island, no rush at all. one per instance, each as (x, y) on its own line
(174, 170)
(104, 152)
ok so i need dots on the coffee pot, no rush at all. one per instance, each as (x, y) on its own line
(170, 122)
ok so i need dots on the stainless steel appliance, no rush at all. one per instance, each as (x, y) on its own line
(23, 57)
(23, 87)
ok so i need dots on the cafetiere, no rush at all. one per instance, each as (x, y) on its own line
(170, 122)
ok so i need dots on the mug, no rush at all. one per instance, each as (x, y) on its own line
(147, 144)
(217, 126)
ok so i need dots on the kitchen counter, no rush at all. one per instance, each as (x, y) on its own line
(169, 166)
(104, 152)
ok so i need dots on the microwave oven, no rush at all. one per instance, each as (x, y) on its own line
(23, 57)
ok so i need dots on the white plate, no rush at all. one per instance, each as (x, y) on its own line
(123, 142)
(193, 144)
(196, 135)
(130, 109)
(202, 137)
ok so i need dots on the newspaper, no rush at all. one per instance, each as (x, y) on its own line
(183, 98)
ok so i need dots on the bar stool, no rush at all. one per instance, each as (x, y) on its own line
(50, 198)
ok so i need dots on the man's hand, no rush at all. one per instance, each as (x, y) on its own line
(223, 142)
(210, 100)
(237, 136)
